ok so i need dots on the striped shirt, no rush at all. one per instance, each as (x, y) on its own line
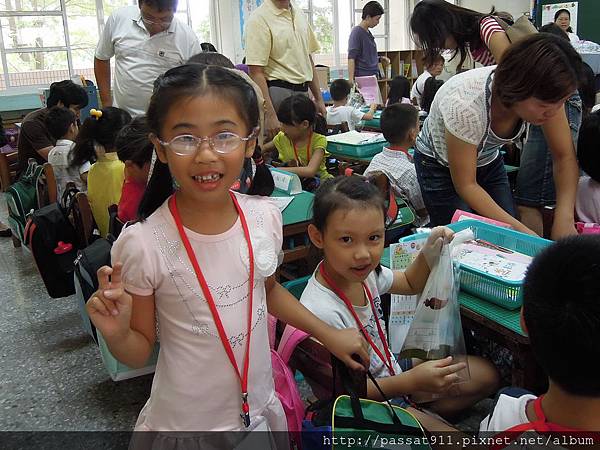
(482, 54)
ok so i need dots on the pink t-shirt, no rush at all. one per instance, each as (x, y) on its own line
(195, 388)
(587, 205)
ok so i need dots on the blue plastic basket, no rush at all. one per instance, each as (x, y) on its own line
(489, 287)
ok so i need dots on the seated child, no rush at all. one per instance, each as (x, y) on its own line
(341, 111)
(134, 148)
(399, 91)
(348, 226)
(432, 85)
(95, 144)
(301, 144)
(432, 69)
(561, 315)
(587, 204)
(61, 123)
(400, 127)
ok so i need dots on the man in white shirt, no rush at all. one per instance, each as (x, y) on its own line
(145, 41)
(433, 70)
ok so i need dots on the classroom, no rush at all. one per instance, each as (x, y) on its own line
(299, 224)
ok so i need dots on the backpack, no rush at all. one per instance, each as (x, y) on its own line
(53, 243)
(21, 199)
(286, 388)
(87, 263)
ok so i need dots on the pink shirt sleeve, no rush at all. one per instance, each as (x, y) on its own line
(139, 271)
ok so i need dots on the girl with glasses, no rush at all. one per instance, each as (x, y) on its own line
(198, 270)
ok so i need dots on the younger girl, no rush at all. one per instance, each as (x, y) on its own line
(95, 144)
(201, 262)
(301, 145)
(348, 226)
(135, 151)
(399, 91)
(432, 85)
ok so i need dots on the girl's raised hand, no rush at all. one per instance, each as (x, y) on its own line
(346, 344)
(110, 306)
(436, 376)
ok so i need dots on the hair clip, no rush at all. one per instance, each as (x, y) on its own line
(259, 161)
(96, 113)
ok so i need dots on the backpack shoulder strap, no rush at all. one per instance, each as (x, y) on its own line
(290, 338)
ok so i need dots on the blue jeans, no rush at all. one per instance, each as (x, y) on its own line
(535, 180)
(440, 197)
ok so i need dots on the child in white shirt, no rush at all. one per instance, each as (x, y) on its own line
(62, 125)
(587, 204)
(400, 127)
(340, 112)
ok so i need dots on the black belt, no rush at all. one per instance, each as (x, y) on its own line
(285, 85)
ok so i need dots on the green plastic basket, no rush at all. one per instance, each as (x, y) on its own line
(296, 287)
(356, 151)
(489, 287)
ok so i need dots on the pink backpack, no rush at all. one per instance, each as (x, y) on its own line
(285, 383)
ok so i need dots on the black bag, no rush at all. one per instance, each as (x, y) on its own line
(53, 243)
(88, 261)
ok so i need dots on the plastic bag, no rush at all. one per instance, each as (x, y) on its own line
(436, 330)
(355, 99)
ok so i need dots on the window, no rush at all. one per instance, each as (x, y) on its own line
(42, 41)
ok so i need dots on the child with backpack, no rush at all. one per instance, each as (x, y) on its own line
(61, 123)
(348, 226)
(201, 262)
(561, 315)
(95, 144)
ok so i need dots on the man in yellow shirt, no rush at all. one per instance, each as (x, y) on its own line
(279, 44)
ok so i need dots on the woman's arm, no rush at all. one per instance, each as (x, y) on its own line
(342, 343)
(566, 173)
(462, 161)
(351, 69)
(312, 168)
(499, 43)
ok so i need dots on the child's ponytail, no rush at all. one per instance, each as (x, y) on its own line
(262, 182)
(159, 189)
(100, 128)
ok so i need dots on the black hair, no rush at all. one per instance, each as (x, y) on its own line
(588, 146)
(3, 138)
(58, 121)
(399, 88)
(133, 142)
(211, 59)
(536, 57)
(344, 192)
(559, 12)
(433, 21)
(160, 5)
(208, 47)
(67, 92)
(434, 59)
(189, 81)
(562, 313)
(397, 120)
(372, 9)
(102, 130)
(297, 108)
(552, 28)
(430, 88)
(339, 89)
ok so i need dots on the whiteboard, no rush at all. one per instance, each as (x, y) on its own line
(548, 12)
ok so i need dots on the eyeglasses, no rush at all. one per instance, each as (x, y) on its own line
(161, 24)
(223, 143)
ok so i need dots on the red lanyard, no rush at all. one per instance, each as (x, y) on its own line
(307, 149)
(387, 360)
(540, 424)
(211, 302)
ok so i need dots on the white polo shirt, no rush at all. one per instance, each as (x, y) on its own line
(141, 58)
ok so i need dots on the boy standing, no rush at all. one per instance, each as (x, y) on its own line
(400, 127)
(561, 315)
(341, 112)
(61, 123)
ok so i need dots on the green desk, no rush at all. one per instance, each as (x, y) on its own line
(502, 326)
(296, 218)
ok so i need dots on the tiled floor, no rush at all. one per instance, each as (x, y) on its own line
(51, 374)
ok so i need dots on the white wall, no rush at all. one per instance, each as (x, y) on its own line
(515, 7)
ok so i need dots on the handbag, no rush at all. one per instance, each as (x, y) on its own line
(519, 30)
